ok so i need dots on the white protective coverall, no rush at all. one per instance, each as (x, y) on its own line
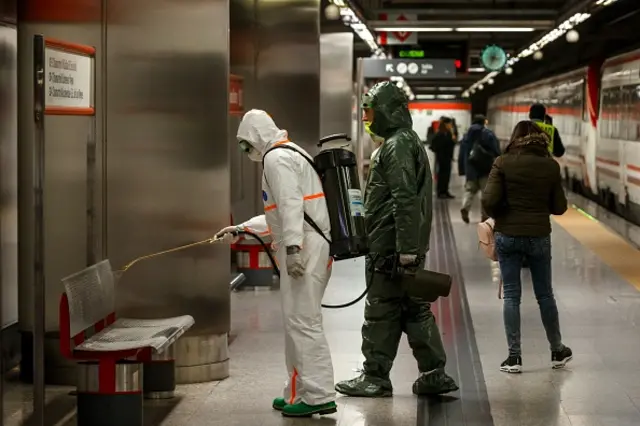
(290, 187)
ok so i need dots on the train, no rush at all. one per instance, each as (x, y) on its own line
(596, 110)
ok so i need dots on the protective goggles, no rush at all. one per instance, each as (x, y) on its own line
(367, 101)
(245, 146)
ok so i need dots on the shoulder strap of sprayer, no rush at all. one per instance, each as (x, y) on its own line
(307, 218)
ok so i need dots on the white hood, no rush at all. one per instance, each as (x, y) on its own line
(260, 131)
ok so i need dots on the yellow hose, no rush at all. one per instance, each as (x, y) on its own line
(171, 250)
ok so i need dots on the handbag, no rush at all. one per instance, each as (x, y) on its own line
(487, 242)
(486, 238)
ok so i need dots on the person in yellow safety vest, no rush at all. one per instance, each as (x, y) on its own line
(538, 114)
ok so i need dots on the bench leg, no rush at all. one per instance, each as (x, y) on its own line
(160, 375)
(110, 393)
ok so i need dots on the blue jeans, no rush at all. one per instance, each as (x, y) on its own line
(512, 251)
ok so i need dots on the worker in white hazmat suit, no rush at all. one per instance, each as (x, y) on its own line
(291, 187)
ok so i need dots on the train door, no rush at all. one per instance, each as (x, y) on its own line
(629, 158)
(628, 133)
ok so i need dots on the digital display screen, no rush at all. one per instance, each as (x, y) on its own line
(457, 50)
(411, 54)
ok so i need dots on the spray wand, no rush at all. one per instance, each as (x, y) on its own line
(220, 238)
(171, 250)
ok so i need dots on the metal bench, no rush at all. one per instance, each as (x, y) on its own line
(112, 353)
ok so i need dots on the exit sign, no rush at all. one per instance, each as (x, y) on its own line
(411, 54)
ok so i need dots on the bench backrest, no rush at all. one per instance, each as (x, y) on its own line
(91, 296)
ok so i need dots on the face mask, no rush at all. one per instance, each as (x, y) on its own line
(367, 128)
(251, 152)
(376, 139)
(255, 156)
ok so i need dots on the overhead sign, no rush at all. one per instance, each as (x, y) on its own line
(417, 68)
(69, 81)
(397, 37)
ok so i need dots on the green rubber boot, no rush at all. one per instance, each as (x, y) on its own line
(303, 410)
(278, 404)
(366, 387)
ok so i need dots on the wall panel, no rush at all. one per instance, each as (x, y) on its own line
(288, 67)
(336, 83)
(167, 168)
(245, 175)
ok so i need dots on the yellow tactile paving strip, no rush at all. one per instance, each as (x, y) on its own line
(612, 249)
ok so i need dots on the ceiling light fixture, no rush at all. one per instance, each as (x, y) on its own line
(450, 89)
(425, 97)
(332, 12)
(496, 30)
(479, 69)
(446, 97)
(414, 29)
(350, 19)
(572, 37)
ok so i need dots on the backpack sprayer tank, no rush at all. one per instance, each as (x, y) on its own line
(338, 170)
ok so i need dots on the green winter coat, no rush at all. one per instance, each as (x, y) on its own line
(398, 196)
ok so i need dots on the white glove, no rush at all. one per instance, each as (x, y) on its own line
(408, 259)
(295, 268)
(226, 234)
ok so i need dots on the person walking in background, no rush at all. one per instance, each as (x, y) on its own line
(431, 132)
(523, 189)
(538, 114)
(443, 146)
(556, 148)
(478, 149)
(454, 130)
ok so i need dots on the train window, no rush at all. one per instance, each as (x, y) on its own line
(606, 130)
(613, 110)
(585, 109)
(635, 114)
(626, 122)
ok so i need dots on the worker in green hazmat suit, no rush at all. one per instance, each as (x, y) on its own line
(398, 213)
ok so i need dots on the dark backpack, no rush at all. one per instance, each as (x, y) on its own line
(479, 157)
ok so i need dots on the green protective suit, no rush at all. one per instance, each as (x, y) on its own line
(398, 212)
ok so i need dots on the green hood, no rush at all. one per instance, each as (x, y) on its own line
(391, 109)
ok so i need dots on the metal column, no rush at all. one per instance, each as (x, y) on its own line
(38, 281)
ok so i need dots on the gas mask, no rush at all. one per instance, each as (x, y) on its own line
(253, 154)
